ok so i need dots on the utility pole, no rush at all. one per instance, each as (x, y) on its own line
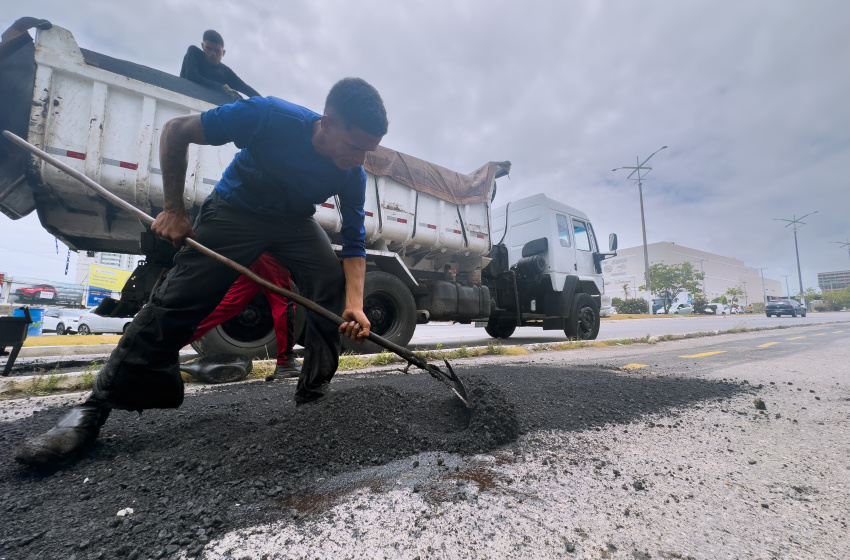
(787, 289)
(796, 224)
(763, 291)
(642, 167)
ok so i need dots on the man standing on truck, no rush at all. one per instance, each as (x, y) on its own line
(205, 67)
(291, 159)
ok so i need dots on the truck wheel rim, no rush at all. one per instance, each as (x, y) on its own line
(380, 312)
(586, 322)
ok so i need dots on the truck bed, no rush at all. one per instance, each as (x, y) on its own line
(103, 116)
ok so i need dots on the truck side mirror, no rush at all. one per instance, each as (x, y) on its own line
(612, 242)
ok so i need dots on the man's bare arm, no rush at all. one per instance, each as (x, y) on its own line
(172, 224)
(357, 325)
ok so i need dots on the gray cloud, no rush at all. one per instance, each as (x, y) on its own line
(750, 97)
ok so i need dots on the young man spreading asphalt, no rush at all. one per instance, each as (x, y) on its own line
(205, 67)
(291, 159)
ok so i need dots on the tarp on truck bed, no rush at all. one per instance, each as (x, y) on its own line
(434, 180)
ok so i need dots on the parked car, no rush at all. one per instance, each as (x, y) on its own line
(779, 307)
(61, 321)
(677, 309)
(39, 292)
(716, 309)
(95, 324)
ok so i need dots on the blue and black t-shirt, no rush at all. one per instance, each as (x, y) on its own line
(278, 172)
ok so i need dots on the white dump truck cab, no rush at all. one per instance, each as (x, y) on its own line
(545, 269)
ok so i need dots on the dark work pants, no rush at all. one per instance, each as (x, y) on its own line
(143, 371)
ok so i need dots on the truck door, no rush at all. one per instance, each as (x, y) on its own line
(564, 253)
(585, 247)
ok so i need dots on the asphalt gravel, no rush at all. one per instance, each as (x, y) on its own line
(558, 458)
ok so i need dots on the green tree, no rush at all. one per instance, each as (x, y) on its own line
(811, 295)
(836, 300)
(699, 302)
(733, 294)
(668, 281)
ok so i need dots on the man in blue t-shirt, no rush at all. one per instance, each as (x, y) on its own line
(291, 159)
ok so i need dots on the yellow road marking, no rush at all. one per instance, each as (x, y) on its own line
(633, 366)
(836, 332)
(795, 338)
(821, 334)
(704, 354)
(768, 344)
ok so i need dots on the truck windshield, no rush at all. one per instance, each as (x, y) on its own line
(563, 230)
(581, 234)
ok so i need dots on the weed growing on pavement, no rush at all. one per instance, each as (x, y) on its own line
(384, 358)
(41, 385)
(86, 381)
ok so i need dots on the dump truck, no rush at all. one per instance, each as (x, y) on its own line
(431, 254)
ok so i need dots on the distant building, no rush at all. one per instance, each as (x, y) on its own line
(833, 280)
(625, 273)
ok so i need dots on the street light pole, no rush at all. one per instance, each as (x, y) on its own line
(763, 291)
(642, 167)
(787, 289)
(796, 224)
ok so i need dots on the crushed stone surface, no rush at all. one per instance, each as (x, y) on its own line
(557, 458)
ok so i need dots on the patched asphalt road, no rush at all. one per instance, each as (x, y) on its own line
(632, 452)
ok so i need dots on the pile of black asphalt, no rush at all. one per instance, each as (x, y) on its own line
(183, 471)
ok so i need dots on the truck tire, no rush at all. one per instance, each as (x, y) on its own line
(251, 333)
(390, 308)
(583, 321)
(500, 329)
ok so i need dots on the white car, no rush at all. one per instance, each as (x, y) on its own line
(95, 324)
(717, 309)
(61, 321)
(677, 309)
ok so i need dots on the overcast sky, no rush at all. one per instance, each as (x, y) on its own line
(751, 98)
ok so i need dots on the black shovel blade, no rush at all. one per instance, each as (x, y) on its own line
(219, 368)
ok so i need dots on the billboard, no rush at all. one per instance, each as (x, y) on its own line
(107, 278)
(33, 291)
(97, 295)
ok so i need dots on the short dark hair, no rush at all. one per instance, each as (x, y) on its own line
(213, 37)
(359, 105)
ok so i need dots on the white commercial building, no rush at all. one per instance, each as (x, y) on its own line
(625, 273)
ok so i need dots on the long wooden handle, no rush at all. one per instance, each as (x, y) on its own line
(450, 379)
(189, 241)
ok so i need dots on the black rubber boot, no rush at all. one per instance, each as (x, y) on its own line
(74, 433)
(288, 369)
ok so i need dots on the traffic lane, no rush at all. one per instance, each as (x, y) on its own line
(447, 335)
(712, 353)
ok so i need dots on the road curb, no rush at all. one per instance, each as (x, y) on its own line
(82, 350)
